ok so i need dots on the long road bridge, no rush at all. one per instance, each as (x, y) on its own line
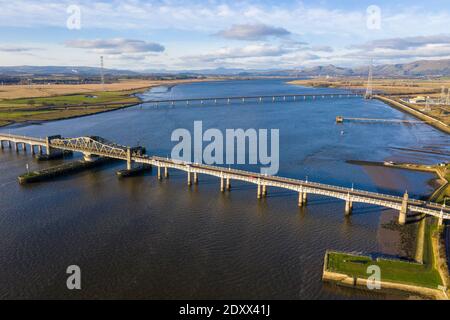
(255, 99)
(92, 147)
(229, 100)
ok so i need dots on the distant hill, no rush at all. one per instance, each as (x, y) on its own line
(61, 71)
(422, 68)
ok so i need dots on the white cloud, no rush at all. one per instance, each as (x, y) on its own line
(184, 28)
(15, 49)
(252, 32)
(116, 46)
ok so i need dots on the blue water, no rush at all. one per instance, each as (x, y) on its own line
(140, 238)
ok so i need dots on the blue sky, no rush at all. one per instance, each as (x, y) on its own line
(194, 34)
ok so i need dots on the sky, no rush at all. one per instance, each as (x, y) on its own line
(201, 34)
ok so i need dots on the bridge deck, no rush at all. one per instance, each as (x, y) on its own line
(100, 147)
(262, 97)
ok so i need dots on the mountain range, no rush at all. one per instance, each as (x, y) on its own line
(422, 68)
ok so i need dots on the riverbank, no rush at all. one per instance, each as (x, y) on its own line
(442, 172)
(427, 275)
(436, 123)
(37, 104)
(352, 270)
(437, 116)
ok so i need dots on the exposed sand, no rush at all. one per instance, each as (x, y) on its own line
(35, 91)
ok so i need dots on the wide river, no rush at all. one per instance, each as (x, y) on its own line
(141, 238)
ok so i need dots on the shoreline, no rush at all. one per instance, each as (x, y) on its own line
(170, 84)
(435, 123)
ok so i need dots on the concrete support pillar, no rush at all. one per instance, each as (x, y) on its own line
(195, 178)
(129, 163)
(166, 172)
(264, 191)
(441, 218)
(1, 144)
(40, 149)
(348, 206)
(16, 147)
(159, 172)
(189, 181)
(228, 184)
(24, 147)
(402, 218)
(222, 184)
(9, 144)
(305, 198)
(32, 150)
(300, 199)
(259, 191)
(47, 146)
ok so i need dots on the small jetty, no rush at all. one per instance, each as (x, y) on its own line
(54, 155)
(60, 170)
(341, 119)
(139, 170)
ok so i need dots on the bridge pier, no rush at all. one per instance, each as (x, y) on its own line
(228, 184)
(348, 206)
(166, 172)
(305, 198)
(441, 218)
(259, 191)
(1, 144)
(222, 184)
(403, 216)
(40, 149)
(264, 190)
(300, 199)
(159, 172)
(189, 181)
(129, 162)
(16, 147)
(24, 147)
(91, 158)
(48, 140)
(195, 178)
(33, 152)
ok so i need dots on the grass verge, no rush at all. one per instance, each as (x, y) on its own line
(398, 271)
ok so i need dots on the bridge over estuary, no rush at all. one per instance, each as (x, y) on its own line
(92, 147)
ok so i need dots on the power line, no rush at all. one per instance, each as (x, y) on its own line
(102, 74)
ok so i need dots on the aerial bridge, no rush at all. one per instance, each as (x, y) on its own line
(94, 147)
(253, 99)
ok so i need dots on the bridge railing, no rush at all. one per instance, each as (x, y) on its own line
(299, 182)
(15, 136)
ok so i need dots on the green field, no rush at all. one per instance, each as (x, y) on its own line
(397, 271)
(62, 107)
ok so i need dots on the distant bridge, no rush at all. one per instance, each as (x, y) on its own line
(92, 147)
(255, 99)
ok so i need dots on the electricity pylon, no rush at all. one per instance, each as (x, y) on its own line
(369, 89)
